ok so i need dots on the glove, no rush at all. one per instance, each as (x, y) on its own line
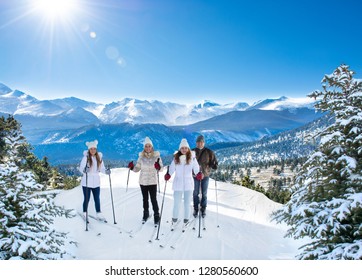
(157, 166)
(167, 176)
(131, 165)
(199, 176)
(108, 171)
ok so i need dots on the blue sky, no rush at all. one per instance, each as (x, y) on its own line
(178, 51)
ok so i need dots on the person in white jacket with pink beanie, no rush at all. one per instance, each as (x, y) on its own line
(185, 166)
(90, 166)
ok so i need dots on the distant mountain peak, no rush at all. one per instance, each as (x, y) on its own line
(207, 104)
(281, 103)
(18, 93)
(4, 89)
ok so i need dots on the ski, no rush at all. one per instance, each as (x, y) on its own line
(97, 219)
(134, 232)
(154, 232)
(82, 216)
(89, 226)
(194, 224)
(169, 235)
(104, 222)
(180, 238)
(203, 223)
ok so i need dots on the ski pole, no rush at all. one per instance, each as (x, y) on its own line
(163, 201)
(158, 177)
(110, 186)
(200, 191)
(128, 179)
(86, 194)
(217, 206)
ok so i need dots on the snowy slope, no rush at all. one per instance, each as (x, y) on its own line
(245, 230)
(283, 103)
(207, 109)
(11, 101)
(73, 103)
(141, 111)
(4, 89)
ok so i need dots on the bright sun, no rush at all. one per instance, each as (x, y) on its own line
(55, 9)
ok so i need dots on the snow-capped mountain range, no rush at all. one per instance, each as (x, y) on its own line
(131, 110)
(59, 128)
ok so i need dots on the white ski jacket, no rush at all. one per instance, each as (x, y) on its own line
(93, 179)
(145, 164)
(183, 180)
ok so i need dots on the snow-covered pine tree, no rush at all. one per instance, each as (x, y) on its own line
(56, 181)
(326, 206)
(27, 210)
(2, 138)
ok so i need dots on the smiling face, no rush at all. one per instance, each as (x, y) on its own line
(148, 148)
(92, 151)
(200, 144)
(184, 150)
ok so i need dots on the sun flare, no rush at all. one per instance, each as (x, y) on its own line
(56, 9)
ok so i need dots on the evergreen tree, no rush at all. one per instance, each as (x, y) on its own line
(326, 205)
(2, 139)
(27, 210)
(57, 180)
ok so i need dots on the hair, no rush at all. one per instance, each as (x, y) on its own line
(188, 157)
(144, 154)
(90, 161)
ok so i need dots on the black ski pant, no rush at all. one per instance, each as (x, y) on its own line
(150, 190)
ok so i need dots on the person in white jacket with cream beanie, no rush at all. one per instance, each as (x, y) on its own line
(149, 163)
(90, 166)
(184, 165)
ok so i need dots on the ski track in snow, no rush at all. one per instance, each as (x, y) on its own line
(245, 231)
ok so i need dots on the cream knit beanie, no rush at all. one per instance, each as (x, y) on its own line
(147, 141)
(184, 143)
(92, 144)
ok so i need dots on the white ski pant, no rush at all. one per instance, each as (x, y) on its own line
(177, 198)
